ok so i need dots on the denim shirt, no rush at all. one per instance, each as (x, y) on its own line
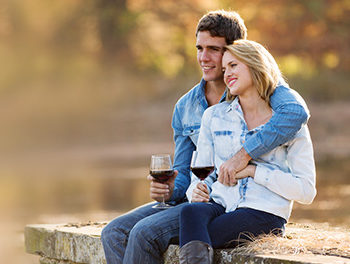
(290, 114)
(282, 175)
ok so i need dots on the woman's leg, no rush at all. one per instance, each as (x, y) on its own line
(194, 219)
(243, 224)
(195, 244)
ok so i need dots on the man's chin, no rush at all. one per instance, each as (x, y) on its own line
(209, 77)
(212, 76)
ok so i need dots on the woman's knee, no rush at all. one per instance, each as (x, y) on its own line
(190, 210)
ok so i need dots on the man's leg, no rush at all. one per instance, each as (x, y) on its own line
(151, 236)
(115, 235)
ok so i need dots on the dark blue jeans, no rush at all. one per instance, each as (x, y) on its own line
(142, 235)
(209, 223)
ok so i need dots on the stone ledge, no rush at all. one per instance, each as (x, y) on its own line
(73, 244)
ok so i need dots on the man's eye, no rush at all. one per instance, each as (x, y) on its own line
(233, 64)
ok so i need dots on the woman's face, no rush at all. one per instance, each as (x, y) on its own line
(236, 75)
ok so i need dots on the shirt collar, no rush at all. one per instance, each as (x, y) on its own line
(234, 105)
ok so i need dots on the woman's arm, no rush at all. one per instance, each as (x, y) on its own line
(300, 184)
(205, 143)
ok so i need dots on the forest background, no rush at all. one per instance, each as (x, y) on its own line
(87, 90)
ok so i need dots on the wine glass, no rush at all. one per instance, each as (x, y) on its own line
(202, 164)
(161, 169)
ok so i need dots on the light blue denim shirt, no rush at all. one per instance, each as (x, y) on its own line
(290, 114)
(282, 175)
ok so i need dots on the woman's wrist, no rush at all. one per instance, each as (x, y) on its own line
(252, 170)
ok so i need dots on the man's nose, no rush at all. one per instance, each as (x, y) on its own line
(204, 55)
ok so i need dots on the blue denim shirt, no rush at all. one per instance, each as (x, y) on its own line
(283, 175)
(290, 114)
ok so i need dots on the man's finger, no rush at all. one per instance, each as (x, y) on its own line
(226, 178)
(232, 179)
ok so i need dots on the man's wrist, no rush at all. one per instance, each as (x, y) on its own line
(244, 156)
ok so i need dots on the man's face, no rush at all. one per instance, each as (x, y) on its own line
(209, 55)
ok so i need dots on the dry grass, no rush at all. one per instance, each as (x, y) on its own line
(317, 239)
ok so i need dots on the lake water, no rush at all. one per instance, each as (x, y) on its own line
(87, 188)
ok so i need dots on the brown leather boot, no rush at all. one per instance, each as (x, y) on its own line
(196, 252)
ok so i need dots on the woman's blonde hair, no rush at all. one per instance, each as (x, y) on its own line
(262, 66)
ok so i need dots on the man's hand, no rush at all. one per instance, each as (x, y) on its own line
(228, 170)
(200, 193)
(158, 190)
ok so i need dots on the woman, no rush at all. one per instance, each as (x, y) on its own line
(262, 200)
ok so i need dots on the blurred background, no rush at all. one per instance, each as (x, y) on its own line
(87, 90)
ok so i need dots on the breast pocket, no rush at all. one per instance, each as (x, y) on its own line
(192, 132)
(226, 143)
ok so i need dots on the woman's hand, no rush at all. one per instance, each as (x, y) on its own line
(158, 190)
(229, 169)
(248, 171)
(200, 193)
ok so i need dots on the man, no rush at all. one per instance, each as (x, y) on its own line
(143, 235)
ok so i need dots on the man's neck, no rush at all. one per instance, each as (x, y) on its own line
(214, 91)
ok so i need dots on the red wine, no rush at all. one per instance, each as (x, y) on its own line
(202, 172)
(161, 175)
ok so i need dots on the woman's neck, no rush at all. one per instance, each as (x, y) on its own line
(256, 111)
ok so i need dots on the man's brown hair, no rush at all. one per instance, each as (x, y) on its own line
(220, 23)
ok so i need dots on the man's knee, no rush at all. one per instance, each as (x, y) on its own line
(141, 232)
(114, 231)
(107, 234)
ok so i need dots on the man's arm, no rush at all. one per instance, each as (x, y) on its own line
(182, 158)
(175, 188)
(290, 114)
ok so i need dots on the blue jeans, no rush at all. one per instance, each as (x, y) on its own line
(141, 235)
(209, 223)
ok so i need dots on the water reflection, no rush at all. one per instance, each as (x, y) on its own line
(120, 187)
